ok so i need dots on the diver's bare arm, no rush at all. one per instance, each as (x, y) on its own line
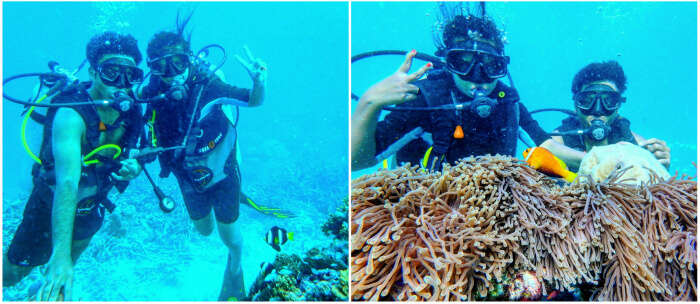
(395, 89)
(257, 69)
(640, 139)
(658, 147)
(257, 93)
(363, 126)
(570, 156)
(68, 128)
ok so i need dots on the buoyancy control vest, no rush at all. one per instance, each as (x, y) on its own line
(98, 175)
(170, 122)
(497, 133)
(619, 131)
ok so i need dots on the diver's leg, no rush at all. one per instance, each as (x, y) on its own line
(11, 273)
(233, 285)
(205, 225)
(198, 206)
(31, 243)
(242, 198)
(226, 197)
(78, 247)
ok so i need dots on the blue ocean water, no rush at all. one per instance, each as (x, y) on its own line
(655, 42)
(294, 146)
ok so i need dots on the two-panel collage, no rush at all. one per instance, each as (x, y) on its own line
(349, 151)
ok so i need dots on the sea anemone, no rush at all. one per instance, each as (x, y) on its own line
(458, 233)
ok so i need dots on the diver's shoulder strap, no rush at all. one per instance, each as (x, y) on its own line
(621, 131)
(435, 90)
(506, 93)
(87, 113)
(572, 141)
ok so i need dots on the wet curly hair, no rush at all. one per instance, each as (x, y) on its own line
(112, 43)
(608, 70)
(163, 42)
(461, 25)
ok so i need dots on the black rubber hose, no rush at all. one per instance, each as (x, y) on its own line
(18, 76)
(565, 111)
(437, 61)
(49, 105)
(223, 51)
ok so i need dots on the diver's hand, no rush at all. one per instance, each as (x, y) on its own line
(397, 88)
(58, 281)
(130, 169)
(660, 150)
(257, 69)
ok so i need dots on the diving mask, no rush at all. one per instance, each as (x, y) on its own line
(462, 61)
(119, 73)
(169, 65)
(598, 100)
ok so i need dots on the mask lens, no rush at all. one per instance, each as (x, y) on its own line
(179, 62)
(587, 102)
(494, 66)
(169, 65)
(610, 100)
(133, 74)
(111, 72)
(159, 66)
(460, 61)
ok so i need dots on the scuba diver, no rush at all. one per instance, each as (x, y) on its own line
(83, 155)
(459, 110)
(597, 94)
(198, 112)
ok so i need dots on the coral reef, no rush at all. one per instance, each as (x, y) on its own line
(321, 275)
(462, 233)
(602, 160)
(337, 223)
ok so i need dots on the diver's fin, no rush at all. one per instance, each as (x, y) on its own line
(276, 212)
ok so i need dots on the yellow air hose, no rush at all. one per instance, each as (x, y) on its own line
(23, 133)
(98, 149)
(86, 162)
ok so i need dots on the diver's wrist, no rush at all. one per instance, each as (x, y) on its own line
(369, 105)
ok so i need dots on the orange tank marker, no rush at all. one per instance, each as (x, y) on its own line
(458, 134)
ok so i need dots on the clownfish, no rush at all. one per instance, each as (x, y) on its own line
(544, 161)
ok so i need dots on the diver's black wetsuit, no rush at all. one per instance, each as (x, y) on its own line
(619, 131)
(495, 134)
(32, 243)
(170, 124)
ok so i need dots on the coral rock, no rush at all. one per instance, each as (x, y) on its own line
(602, 160)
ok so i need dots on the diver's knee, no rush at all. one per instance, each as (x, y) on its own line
(231, 236)
(205, 225)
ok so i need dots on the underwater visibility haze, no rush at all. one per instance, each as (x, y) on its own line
(293, 151)
(548, 42)
(522, 226)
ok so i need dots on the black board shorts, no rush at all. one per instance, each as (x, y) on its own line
(32, 245)
(222, 197)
